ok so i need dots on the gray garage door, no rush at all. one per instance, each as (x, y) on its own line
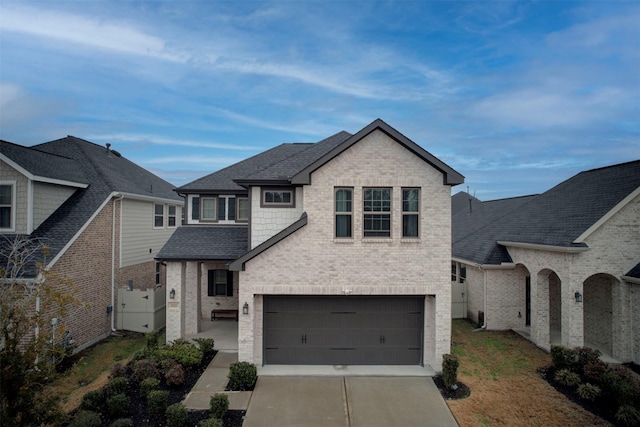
(352, 330)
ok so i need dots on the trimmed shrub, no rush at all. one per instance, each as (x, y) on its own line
(157, 402)
(92, 401)
(628, 416)
(450, 364)
(219, 405)
(211, 422)
(620, 388)
(176, 415)
(242, 376)
(175, 376)
(86, 419)
(588, 391)
(118, 370)
(182, 351)
(563, 357)
(166, 364)
(118, 405)
(122, 422)
(117, 386)
(145, 368)
(566, 377)
(205, 345)
(594, 371)
(584, 357)
(152, 339)
(148, 385)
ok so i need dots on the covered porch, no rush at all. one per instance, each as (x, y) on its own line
(223, 331)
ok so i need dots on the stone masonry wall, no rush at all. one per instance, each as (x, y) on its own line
(312, 262)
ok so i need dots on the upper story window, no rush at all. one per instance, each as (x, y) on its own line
(458, 272)
(344, 212)
(195, 207)
(171, 219)
(278, 198)
(377, 212)
(208, 211)
(242, 206)
(6, 206)
(410, 212)
(158, 215)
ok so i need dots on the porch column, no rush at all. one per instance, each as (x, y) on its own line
(174, 309)
(621, 320)
(540, 311)
(192, 298)
(572, 312)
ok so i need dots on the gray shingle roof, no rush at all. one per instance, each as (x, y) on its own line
(105, 172)
(202, 243)
(634, 272)
(554, 218)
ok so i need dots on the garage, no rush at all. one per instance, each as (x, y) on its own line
(343, 330)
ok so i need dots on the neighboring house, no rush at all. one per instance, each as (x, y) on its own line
(103, 218)
(335, 253)
(562, 266)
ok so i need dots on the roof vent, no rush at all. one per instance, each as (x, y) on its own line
(108, 145)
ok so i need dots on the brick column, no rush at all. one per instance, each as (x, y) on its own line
(572, 313)
(540, 311)
(621, 320)
(191, 304)
(174, 307)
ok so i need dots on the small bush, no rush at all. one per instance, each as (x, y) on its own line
(205, 345)
(620, 388)
(563, 357)
(176, 415)
(588, 391)
(116, 386)
(242, 376)
(182, 351)
(166, 364)
(145, 368)
(148, 385)
(567, 378)
(118, 405)
(92, 401)
(118, 370)
(175, 376)
(211, 422)
(450, 365)
(152, 339)
(594, 371)
(219, 405)
(122, 422)
(86, 419)
(157, 402)
(628, 416)
(584, 357)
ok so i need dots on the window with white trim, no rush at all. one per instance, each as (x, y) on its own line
(158, 215)
(410, 212)
(171, 217)
(157, 273)
(377, 212)
(6, 206)
(208, 211)
(344, 212)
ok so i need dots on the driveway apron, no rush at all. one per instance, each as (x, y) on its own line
(347, 402)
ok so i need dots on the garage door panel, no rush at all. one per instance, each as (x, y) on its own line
(343, 330)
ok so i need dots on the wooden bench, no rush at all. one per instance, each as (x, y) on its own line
(223, 312)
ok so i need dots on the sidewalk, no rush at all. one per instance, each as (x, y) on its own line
(214, 380)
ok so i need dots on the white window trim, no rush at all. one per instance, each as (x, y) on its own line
(410, 212)
(14, 206)
(366, 238)
(164, 219)
(175, 216)
(336, 213)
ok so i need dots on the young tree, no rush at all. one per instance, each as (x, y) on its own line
(33, 339)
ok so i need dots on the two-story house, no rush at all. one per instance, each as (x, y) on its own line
(334, 253)
(102, 217)
(561, 267)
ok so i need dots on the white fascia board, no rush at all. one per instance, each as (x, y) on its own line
(539, 247)
(581, 238)
(630, 279)
(38, 178)
(150, 198)
(502, 266)
(84, 227)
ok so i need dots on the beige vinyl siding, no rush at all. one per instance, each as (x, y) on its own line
(46, 199)
(140, 241)
(12, 176)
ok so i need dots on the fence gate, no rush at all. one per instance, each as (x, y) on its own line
(141, 311)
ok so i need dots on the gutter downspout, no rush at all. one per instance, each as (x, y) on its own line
(484, 326)
(117, 197)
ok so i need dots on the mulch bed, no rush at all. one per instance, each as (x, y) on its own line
(140, 415)
(461, 392)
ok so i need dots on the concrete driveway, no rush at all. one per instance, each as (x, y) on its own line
(346, 402)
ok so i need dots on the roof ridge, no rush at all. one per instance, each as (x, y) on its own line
(33, 147)
(609, 166)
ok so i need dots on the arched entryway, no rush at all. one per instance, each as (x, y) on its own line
(546, 309)
(598, 312)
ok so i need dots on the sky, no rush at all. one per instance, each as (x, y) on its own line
(516, 96)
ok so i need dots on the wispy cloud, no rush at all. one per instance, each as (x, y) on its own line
(175, 142)
(210, 161)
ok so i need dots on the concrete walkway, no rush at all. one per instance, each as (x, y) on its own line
(347, 402)
(214, 380)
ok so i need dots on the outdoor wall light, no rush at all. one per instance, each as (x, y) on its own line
(172, 294)
(245, 308)
(578, 297)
